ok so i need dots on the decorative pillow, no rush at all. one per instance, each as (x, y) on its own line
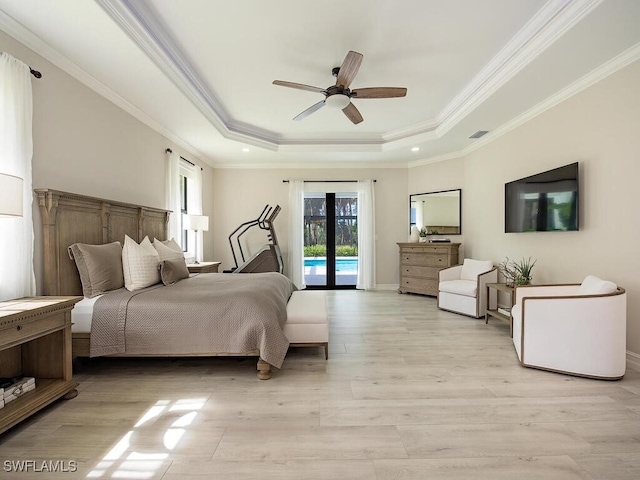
(593, 285)
(170, 243)
(167, 251)
(139, 264)
(99, 266)
(472, 268)
(172, 271)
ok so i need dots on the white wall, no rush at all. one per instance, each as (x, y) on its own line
(599, 129)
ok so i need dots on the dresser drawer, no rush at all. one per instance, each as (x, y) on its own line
(437, 260)
(426, 249)
(425, 286)
(421, 272)
(24, 329)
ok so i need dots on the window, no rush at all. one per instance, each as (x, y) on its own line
(189, 203)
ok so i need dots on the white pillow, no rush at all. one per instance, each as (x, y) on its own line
(170, 243)
(593, 285)
(472, 268)
(140, 264)
(166, 251)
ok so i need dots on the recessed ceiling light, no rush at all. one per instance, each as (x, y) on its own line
(415, 149)
(246, 149)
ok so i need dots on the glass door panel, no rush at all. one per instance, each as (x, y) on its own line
(346, 239)
(331, 240)
(315, 240)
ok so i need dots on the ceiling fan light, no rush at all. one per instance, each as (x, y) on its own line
(337, 101)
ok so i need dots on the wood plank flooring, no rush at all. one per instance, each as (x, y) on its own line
(408, 392)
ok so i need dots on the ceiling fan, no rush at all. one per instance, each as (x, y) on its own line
(339, 96)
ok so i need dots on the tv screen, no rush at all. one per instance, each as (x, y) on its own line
(546, 202)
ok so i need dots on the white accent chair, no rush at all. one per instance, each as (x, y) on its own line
(576, 329)
(463, 288)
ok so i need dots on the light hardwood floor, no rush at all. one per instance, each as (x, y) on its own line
(408, 392)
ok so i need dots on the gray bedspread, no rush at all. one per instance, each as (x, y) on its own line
(206, 313)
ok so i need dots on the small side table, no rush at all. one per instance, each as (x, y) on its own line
(203, 267)
(35, 341)
(500, 287)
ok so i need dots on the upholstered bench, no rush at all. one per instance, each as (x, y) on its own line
(307, 322)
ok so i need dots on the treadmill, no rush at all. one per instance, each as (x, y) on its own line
(269, 257)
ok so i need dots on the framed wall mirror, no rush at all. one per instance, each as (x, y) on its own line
(440, 213)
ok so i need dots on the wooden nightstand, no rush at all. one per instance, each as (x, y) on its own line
(35, 341)
(203, 267)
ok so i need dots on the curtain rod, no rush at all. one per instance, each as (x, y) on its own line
(328, 181)
(35, 73)
(168, 150)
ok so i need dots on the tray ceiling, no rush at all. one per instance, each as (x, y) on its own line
(201, 72)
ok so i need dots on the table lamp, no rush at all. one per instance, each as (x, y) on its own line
(10, 196)
(196, 223)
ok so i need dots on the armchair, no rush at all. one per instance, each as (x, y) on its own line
(574, 329)
(462, 288)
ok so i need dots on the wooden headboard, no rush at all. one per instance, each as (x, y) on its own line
(69, 218)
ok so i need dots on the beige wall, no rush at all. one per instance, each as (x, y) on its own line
(598, 128)
(241, 194)
(83, 143)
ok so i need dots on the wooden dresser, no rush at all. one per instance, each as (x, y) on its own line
(420, 264)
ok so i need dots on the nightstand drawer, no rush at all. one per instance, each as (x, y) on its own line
(203, 267)
(24, 329)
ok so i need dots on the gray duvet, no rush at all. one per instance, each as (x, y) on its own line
(206, 313)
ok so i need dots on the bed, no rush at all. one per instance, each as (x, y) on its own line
(202, 315)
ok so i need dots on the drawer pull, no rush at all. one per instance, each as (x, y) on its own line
(19, 327)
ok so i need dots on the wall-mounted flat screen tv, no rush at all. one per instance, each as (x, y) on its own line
(546, 202)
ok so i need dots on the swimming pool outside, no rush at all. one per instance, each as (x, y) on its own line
(343, 264)
(315, 270)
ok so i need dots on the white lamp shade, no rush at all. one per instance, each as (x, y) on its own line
(10, 196)
(196, 222)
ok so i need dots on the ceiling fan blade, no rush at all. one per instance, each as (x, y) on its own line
(379, 92)
(352, 113)
(299, 86)
(310, 110)
(349, 69)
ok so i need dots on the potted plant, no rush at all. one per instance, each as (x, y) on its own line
(423, 234)
(517, 272)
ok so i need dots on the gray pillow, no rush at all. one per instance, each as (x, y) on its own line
(99, 266)
(173, 270)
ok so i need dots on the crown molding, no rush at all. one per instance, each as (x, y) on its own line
(617, 63)
(554, 19)
(298, 165)
(550, 23)
(23, 35)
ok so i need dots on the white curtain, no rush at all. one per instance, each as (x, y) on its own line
(194, 206)
(173, 195)
(177, 167)
(17, 278)
(296, 233)
(366, 236)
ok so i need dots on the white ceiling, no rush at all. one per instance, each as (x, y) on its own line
(201, 71)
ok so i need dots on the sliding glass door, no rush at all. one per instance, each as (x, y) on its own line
(331, 240)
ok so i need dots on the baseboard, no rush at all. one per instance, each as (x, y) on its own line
(633, 360)
(387, 286)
